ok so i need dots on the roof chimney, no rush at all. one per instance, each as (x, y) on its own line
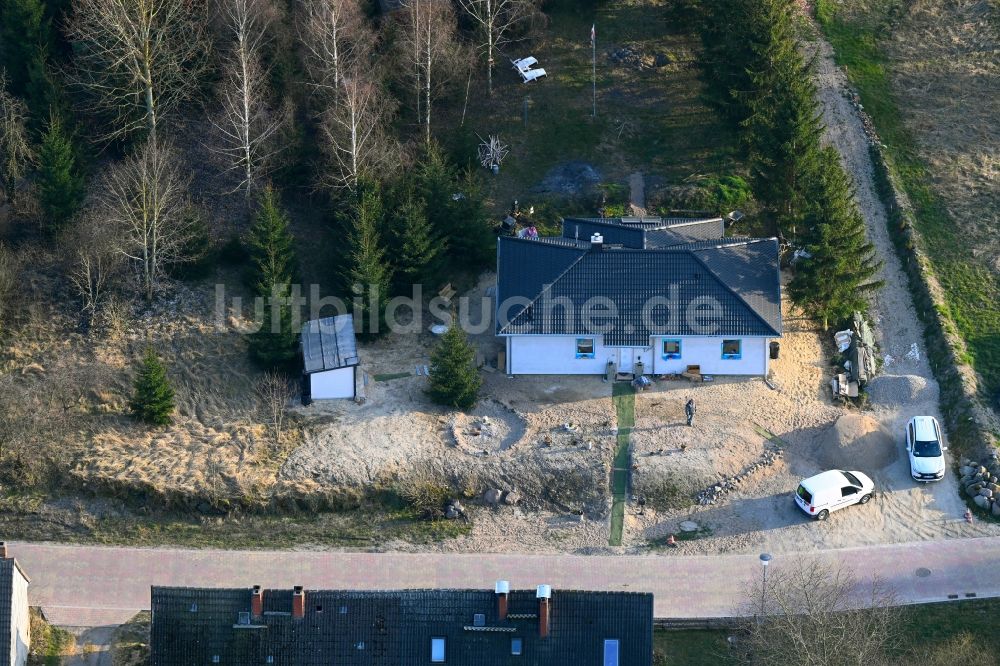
(257, 601)
(3, 550)
(596, 242)
(298, 602)
(502, 590)
(544, 595)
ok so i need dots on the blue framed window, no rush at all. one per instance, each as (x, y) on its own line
(671, 349)
(585, 348)
(732, 349)
(437, 650)
(611, 657)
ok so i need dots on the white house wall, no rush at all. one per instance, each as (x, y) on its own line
(556, 355)
(707, 352)
(20, 638)
(332, 384)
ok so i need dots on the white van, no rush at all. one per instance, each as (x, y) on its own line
(819, 495)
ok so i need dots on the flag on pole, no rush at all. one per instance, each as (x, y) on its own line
(593, 33)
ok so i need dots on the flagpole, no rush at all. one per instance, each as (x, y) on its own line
(593, 60)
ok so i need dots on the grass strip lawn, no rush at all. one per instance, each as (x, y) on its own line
(971, 288)
(390, 376)
(623, 396)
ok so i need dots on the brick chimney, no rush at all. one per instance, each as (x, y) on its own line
(298, 602)
(544, 595)
(3, 550)
(502, 590)
(257, 601)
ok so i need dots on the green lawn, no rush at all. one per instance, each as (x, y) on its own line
(623, 396)
(653, 120)
(972, 290)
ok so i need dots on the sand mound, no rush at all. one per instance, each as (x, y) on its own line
(896, 390)
(857, 442)
(489, 428)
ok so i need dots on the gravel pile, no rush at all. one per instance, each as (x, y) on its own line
(897, 390)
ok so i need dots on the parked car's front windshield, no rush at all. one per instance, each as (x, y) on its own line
(930, 449)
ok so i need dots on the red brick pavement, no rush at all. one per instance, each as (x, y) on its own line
(92, 585)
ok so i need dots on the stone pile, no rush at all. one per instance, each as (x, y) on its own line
(716, 491)
(866, 120)
(980, 482)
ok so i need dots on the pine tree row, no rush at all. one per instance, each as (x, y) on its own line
(763, 84)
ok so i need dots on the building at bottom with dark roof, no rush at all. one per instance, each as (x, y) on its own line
(298, 627)
(15, 634)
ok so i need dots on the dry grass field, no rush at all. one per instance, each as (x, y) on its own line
(928, 72)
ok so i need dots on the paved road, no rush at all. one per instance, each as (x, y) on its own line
(94, 586)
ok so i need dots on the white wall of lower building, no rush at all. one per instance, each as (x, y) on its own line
(707, 352)
(20, 638)
(556, 355)
(332, 384)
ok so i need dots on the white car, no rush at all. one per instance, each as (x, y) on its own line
(818, 495)
(925, 446)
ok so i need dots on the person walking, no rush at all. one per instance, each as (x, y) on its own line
(689, 411)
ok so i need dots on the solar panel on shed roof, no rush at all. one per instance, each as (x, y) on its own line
(329, 344)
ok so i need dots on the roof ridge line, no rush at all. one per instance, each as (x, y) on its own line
(732, 291)
(544, 289)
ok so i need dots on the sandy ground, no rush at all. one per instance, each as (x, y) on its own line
(739, 425)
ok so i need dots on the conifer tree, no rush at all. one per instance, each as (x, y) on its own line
(841, 269)
(418, 247)
(270, 245)
(454, 378)
(153, 399)
(60, 183)
(276, 343)
(272, 259)
(367, 275)
(22, 29)
(473, 241)
(782, 128)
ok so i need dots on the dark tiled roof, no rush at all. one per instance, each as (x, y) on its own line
(329, 343)
(740, 275)
(646, 232)
(6, 592)
(359, 628)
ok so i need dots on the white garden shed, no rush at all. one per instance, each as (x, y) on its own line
(330, 359)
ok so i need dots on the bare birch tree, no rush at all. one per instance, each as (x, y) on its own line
(815, 615)
(248, 126)
(15, 147)
(430, 44)
(145, 200)
(494, 19)
(355, 132)
(336, 38)
(139, 59)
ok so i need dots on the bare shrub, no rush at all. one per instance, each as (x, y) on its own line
(425, 490)
(274, 392)
(813, 614)
(93, 262)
